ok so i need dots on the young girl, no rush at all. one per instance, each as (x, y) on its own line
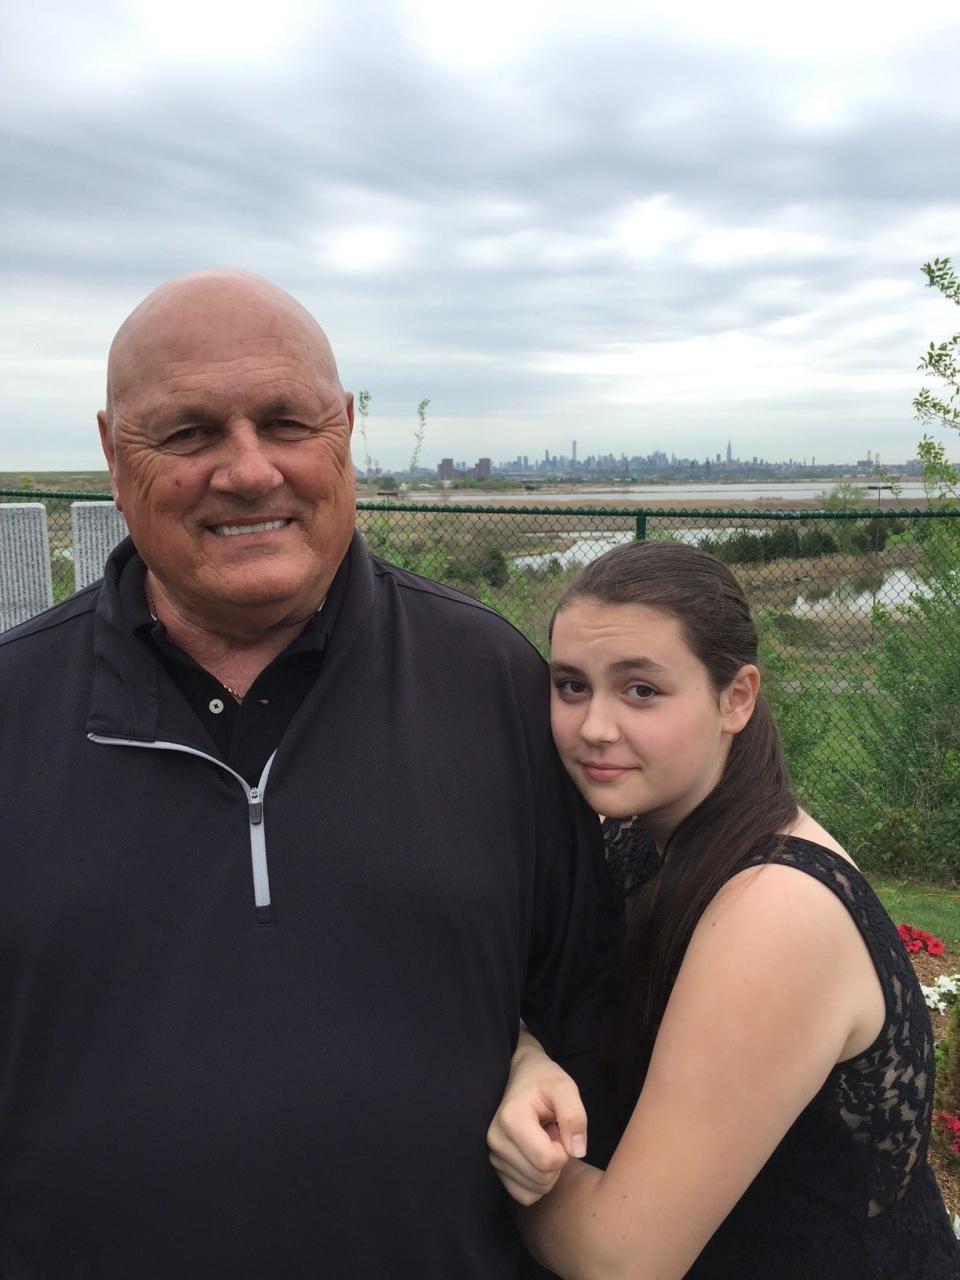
(771, 1043)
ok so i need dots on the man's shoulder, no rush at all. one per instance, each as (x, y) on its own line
(58, 623)
(454, 608)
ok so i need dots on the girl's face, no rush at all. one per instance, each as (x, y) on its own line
(636, 720)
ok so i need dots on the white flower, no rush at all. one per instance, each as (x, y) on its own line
(943, 993)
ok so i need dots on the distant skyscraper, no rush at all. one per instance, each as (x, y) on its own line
(729, 450)
(573, 452)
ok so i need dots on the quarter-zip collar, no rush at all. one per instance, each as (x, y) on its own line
(130, 708)
(126, 701)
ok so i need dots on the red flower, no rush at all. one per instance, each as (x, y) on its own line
(949, 1125)
(916, 940)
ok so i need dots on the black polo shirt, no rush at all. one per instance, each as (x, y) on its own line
(242, 734)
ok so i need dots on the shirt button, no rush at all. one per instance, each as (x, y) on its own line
(215, 705)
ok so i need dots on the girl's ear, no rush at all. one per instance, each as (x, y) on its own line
(739, 698)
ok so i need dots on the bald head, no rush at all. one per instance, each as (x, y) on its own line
(227, 434)
(203, 315)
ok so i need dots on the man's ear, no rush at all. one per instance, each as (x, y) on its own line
(109, 452)
(739, 698)
(349, 403)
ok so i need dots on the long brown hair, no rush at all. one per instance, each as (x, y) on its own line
(751, 802)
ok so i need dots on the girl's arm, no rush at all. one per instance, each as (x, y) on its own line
(539, 1125)
(776, 987)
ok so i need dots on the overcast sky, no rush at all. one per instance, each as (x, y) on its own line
(597, 221)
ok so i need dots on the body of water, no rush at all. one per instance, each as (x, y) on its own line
(585, 545)
(708, 494)
(852, 598)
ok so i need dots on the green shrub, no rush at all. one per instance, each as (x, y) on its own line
(740, 548)
(870, 536)
(816, 542)
(493, 567)
(783, 543)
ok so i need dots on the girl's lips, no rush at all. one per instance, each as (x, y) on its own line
(603, 772)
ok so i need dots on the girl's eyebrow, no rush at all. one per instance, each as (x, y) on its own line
(636, 664)
(564, 668)
(616, 668)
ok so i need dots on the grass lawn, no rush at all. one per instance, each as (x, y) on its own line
(926, 906)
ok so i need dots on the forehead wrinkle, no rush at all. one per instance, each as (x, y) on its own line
(181, 393)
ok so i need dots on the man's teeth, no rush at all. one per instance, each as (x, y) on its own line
(233, 530)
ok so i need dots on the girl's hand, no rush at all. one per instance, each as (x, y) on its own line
(540, 1124)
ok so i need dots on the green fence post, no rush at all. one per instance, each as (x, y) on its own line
(641, 527)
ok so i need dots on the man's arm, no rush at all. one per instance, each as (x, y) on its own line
(573, 921)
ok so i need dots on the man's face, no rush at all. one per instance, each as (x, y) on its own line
(229, 453)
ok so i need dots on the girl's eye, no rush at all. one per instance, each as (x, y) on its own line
(569, 688)
(641, 693)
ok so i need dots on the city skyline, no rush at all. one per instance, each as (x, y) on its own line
(450, 469)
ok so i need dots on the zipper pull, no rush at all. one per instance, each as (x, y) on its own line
(256, 807)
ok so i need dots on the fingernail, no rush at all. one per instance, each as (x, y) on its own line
(579, 1144)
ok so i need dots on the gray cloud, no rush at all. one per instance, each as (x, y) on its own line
(509, 240)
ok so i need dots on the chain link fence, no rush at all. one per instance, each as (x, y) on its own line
(858, 612)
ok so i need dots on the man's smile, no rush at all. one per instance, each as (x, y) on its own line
(236, 530)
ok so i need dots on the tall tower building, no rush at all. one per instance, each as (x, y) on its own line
(729, 451)
(573, 452)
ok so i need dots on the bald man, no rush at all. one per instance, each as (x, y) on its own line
(286, 853)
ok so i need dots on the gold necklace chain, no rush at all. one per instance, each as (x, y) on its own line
(234, 693)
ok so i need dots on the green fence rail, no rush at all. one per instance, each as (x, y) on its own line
(859, 615)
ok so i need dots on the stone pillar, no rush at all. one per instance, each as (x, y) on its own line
(26, 586)
(96, 529)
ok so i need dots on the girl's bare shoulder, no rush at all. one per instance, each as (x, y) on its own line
(808, 828)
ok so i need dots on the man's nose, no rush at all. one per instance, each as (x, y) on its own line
(245, 468)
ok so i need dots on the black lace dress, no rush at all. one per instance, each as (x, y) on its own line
(848, 1192)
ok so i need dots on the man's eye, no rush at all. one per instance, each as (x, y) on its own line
(183, 438)
(289, 429)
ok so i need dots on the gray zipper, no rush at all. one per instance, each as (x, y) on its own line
(258, 839)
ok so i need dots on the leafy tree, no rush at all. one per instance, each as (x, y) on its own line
(843, 497)
(942, 360)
